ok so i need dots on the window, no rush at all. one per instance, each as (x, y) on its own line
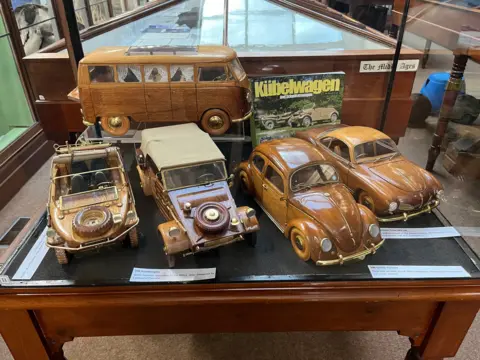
(238, 69)
(102, 73)
(181, 73)
(129, 73)
(213, 73)
(156, 73)
(373, 149)
(339, 148)
(274, 178)
(313, 175)
(326, 141)
(194, 175)
(259, 162)
(94, 12)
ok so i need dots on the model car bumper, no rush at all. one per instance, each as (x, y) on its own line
(94, 244)
(360, 255)
(243, 118)
(407, 215)
(215, 244)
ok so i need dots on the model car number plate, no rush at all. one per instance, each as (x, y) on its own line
(172, 275)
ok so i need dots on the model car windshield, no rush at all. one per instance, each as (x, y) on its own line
(374, 150)
(194, 175)
(313, 175)
(238, 69)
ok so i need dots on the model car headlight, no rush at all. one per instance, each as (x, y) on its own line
(326, 245)
(173, 231)
(249, 96)
(51, 232)
(250, 213)
(373, 230)
(440, 194)
(392, 206)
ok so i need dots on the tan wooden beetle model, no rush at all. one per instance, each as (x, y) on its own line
(119, 86)
(376, 173)
(185, 172)
(301, 193)
(90, 202)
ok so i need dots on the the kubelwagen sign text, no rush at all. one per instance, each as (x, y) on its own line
(288, 103)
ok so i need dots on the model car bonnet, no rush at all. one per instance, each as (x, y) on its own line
(400, 173)
(336, 211)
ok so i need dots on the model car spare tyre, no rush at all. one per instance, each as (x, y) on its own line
(215, 122)
(92, 221)
(115, 125)
(212, 217)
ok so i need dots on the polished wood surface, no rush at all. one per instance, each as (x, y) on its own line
(377, 181)
(324, 211)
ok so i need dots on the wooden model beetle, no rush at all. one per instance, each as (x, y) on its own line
(184, 171)
(90, 202)
(371, 165)
(302, 195)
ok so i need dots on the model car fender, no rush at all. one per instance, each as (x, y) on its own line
(243, 175)
(175, 239)
(313, 231)
(368, 217)
(382, 195)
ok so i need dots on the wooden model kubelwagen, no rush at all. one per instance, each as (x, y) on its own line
(90, 202)
(120, 87)
(302, 194)
(184, 171)
(371, 165)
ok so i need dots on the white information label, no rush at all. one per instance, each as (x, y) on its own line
(33, 259)
(172, 275)
(386, 65)
(419, 233)
(416, 272)
(4, 279)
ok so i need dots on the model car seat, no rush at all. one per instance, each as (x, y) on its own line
(100, 176)
(79, 184)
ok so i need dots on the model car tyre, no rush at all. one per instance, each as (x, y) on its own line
(268, 124)
(62, 256)
(245, 183)
(300, 244)
(115, 125)
(93, 221)
(334, 117)
(306, 121)
(215, 122)
(212, 217)
(251, 239)
(367, 200)
(145, 183)
(133, 238)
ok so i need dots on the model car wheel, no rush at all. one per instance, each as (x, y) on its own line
(306, 121)
(334, 117)
(93, 221)
(62, 256)
(300, 244)
(215, 122)
(268, 124)
(245, 184)
(212, 217)
(365, 199)
(251, 239)
(115, 125)
(145, 183)
(133, 238)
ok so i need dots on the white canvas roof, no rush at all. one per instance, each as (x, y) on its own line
(179, 145)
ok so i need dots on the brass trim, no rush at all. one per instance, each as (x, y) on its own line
(243, 118)
(405, 216)
(342, 259)
(62, 208)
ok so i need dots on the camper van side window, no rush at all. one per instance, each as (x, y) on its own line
(101, 74)
(181, 73)
(129, 73)
(156, 73)
(212, 73)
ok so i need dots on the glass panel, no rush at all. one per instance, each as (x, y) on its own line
(15, 114)
(238, 69)
(216, 73)
(181, 73)
(156, 73)
(88, 198)
(312, 176)
(101, 74)
(129, 73)
(274, 178)
(99, 12)
(258, 162)
(194, 175)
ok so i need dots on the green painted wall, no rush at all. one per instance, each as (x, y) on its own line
(14, 109)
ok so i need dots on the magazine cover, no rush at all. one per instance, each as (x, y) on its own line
(288, 103)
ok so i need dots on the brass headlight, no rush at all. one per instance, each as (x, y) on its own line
(174, 231)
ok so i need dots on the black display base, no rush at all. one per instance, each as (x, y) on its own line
(273, 259)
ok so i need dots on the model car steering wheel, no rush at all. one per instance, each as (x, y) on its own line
(204, 177)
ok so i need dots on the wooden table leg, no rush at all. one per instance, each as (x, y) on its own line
(24, 339)
(447, 330)
(453, 88)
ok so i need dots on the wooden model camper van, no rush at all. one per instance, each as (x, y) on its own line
(184, 171)
(90, 203)
(120, 87)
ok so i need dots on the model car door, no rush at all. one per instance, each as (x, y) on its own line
(257, 169)
(183, 93)
(273, 198)
(338, 154)
(157, 93)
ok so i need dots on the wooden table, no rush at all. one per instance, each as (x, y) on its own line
(266, 288)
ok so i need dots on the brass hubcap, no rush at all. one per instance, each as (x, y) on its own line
(93, 218)
(212, 214)
(216, 122)
(115, 122)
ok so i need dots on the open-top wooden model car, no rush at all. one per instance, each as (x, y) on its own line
(185, 172)
(302, 195)
(371, 165)
(90, 203)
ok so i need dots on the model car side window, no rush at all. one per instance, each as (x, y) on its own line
(274, 178)
(258, 162)
(156, 73)
(101, 73)
(339, 148)
(129, 73)
(212, 73)
(181, 73)
(326, 141)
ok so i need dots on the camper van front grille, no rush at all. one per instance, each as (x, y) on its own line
(161, 50)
